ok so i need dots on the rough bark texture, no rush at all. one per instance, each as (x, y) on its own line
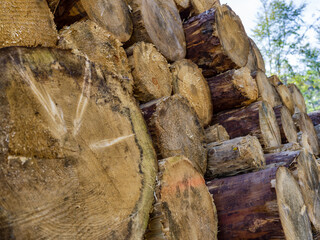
(300, 105)
(151, 73)
(27, 23)
(267, 91)
(257, 119)
(176, 130)
(177, 213)
(234, 156)
(305, 125)
(287, 127)
(158, 22)
(69, 134)
(111, 15)
(317, 128)
(216, 41)
(232, 89)
(315, 117)
(216, 133)
(283, 158)
(91, 41)
(189, 82)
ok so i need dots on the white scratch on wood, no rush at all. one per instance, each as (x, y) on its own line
(109, 142)
(84, 99)
(21, 158)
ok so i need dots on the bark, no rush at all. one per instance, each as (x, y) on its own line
(284, 158)
(234, 156)
(69, 135)
(247, 206)
(300, 105)
(27, 23)
(91, 41)
(267, 92)
(189, 82)
(111, 15)
(176, 130)
(158, 22)
(315, 117)
(216, 133)
(286, 124)
(151, 73)
(216, 41)
(309, 135)
(257, 119)
(177, 213)
(232, 89)
(317, 128)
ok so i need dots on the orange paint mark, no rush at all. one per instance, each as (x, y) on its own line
(155, 81)
(183, 185)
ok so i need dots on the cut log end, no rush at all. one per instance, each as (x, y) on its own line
(216, 133)
(298, 99)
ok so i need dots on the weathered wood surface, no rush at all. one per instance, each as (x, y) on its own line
(216, 41)
(286, 124)
(247, 206)
(189, 82)
(232, 89)
(177, 213)
(315, 117)
(151, 73)
(284, 158)
(259, 59)
(216, 133)
(234, 156)
(317, 128)
(176, 130)
(294, 146)
(68, 136)
(111, 15)
(257, 119)
(298, 99)
(158, 22)
(26, 23)
(89, 40)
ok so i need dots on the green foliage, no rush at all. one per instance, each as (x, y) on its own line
(280, 34)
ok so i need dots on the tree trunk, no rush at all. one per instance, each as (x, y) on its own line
(267, 92)
(293, 146)
(189, 82)
(176, 130)
(317, 128)
(69, 135)
(257, 119)
(305, 125)
(234, 156)
(315, 117)
(259, 59)
(287, 127)
(151, 73)
(284, 158)
(158, 22)
(111, 15)
(177, 213)
(300, 105)
(26, 23)
(247, 206)
(234, 88)
(216, 41)
(89, 40)
(216, 133)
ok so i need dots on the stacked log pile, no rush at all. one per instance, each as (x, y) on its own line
(136, 119)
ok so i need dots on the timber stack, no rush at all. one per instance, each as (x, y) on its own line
(135, 119)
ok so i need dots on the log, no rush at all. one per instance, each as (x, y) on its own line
(317, 128)
(232, 89)
(238, 155)
(267, 92)
(247, 206)
(284, 158)
(89, 40)
(177, 213)
(158, 22)
(298, 99)
(69, 135)
(305, 125)
(200, 6)
(216, 41)
(176, 130)
(288, 130)
(257, 119)
(259, 59)
(111, 15)
(216, 133)
(315, 117)
(293, 146)
(53, 4)
(189, 82)
(151, 73)
(182, 4)
(27, 23)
